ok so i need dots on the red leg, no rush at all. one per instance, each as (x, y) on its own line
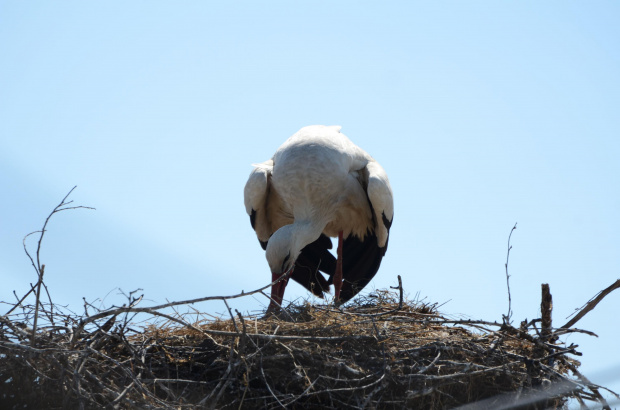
(338, 274)
(277, 291)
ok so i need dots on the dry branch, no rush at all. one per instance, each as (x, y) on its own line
(591, 304)
(546, 307)
(508, 315)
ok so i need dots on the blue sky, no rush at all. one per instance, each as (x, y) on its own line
(483, 114)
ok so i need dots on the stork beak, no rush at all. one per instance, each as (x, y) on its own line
(277, 289)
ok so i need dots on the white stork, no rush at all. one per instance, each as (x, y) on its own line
(319, 185)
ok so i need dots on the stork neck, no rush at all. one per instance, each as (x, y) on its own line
(306, 232)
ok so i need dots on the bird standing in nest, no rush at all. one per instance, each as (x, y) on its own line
(320, 185)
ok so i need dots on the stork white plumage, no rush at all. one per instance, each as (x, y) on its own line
(319, 185)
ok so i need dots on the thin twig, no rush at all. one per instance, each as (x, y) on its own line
(37, 265)
(58, 208)
(36, 308)
(509, 315)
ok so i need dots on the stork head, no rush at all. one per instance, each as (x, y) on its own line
(282, 250)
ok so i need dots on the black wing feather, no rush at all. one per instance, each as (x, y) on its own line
(362, 258)
(315, 257)
(361, 261)
(253, 222)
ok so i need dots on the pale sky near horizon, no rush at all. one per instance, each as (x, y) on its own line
(482, 113)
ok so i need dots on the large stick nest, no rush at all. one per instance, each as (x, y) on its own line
(379, 352)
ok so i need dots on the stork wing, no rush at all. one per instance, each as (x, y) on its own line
(255, 195)
(362, 257)
(263, 205)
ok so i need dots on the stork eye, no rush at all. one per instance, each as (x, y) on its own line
(284, 262)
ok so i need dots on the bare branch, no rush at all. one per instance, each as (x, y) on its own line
(591, 304)
(36, 308)
(508, 316)
(37, 264)
(57, 209)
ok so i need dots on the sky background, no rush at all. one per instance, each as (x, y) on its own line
(482, 113)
